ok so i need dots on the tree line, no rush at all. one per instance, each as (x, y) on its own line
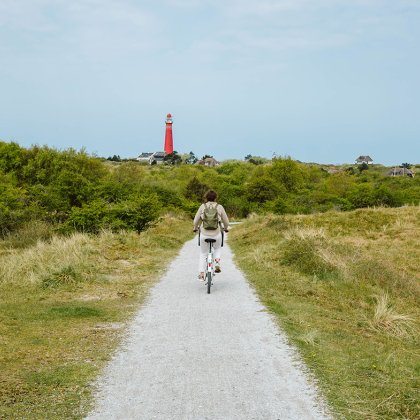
(72, 190)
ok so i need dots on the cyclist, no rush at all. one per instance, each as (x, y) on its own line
(210, 198)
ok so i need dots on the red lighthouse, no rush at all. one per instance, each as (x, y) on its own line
(169, 143)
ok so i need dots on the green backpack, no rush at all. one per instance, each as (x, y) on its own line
(210, 217)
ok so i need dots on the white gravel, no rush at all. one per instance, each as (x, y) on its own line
(190, 355)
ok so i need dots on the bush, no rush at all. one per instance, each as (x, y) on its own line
(195, 190)
(280, 206)
(137, 214)
(12, 159)
(362, 196)
(13, 206)
(262, 189)
(287, 172)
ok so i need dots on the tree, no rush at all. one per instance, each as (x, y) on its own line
(172, 158)
(406, 165)
(363, 167)
(257, 160)
(13, 205)
(262, 189)
(195, 189)
(288, 173)
(12, 158)
(207, 156)
(191, 159)
(115, 158)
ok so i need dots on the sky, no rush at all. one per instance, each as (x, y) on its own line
(318, 80)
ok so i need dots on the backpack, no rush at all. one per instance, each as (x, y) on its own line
(210, 217)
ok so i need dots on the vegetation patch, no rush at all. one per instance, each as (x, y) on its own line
(387, 321)
(64, 302)
(81, 239)
(345, 288)
(70, 311)
(64, 277)
(44, 190)
(309, 252)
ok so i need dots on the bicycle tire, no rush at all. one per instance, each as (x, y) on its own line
(209, 279)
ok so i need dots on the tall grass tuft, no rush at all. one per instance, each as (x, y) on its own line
(46, 259)
(309, 251)
(387, 321)
(64, 277)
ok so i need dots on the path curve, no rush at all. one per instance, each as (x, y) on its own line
(193, 356)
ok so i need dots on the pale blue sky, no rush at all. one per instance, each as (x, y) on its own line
(320, 80)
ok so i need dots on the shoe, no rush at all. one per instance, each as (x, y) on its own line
(217, 268)
(201, 277)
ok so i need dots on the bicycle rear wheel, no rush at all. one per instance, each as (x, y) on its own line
(209, 279)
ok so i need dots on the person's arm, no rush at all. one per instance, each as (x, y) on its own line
(197, 218)
(224, 218)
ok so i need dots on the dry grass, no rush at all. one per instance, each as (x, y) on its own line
(345, 287)
(31, 265)
(386, 320)
(310, 338)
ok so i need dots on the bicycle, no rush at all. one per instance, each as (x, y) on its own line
(210, 266)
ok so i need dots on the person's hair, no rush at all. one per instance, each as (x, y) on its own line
(210, 195)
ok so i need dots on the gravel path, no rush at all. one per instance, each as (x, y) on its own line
(190, 355)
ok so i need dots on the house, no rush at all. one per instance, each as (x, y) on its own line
(152, 158)
(364, 159)
(157, 158)
(209, 161)
(401, 172)
(144, 157)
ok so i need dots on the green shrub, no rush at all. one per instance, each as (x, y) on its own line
(88, 218)
(137, 213)
(262, 189)
(14, 210)
(12, 159)
(190, 207)
(362, 196)
(195, 190)
(288, 173)
(280, 206)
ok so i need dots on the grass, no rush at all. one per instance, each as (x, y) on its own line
(345, 288)
(386, 320)
(64, 302)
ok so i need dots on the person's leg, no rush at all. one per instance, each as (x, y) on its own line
(218, 252)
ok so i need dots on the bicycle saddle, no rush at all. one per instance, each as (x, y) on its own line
(210, 241)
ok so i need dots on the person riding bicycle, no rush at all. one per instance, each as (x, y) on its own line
(214, 233)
